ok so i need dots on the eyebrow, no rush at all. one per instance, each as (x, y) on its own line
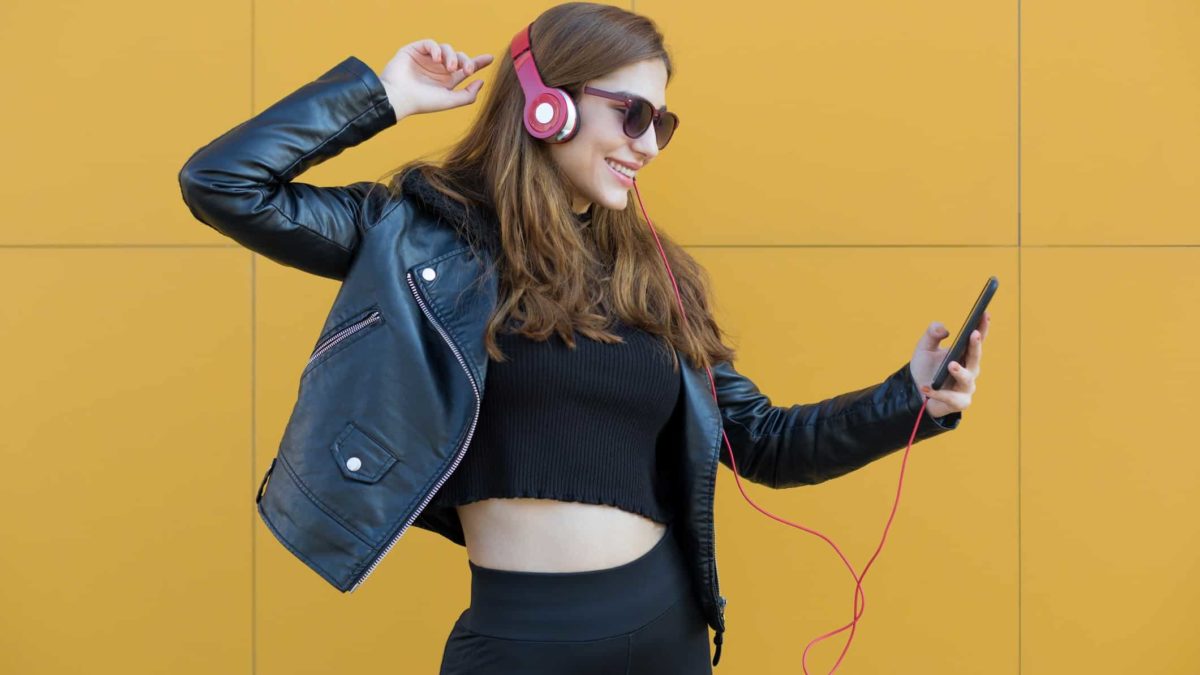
(633, 95)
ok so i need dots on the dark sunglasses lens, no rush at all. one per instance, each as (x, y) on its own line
(637, 118)
(665, 128)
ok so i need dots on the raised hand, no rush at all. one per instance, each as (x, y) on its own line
(422, 77)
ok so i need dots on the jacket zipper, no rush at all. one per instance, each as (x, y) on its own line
(342, 334)
(461, 450)
(718, 638)
(712, 536)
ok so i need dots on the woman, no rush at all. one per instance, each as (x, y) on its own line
(511, 302)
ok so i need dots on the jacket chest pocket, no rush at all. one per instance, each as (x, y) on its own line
(341, 336)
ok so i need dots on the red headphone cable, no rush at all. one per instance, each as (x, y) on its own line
(858, 590)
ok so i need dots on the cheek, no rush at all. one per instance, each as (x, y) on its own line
(587, 159)
(569, 158)
(600, 138)
(582, 157)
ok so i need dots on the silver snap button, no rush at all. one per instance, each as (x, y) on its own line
(354, 464)
(428, 274)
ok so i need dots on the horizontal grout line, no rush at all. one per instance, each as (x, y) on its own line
(120, 246)
(1110, 246)
(1012, 246)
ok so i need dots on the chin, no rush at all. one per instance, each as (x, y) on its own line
(615, 201)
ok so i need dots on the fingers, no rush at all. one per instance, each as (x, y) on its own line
(448, 57)
(975, 352)
(440, 52)
(454, 60)
(975, 349)
(431, 48)
(483, 60)
(964, 375)
(468, 66)
(956, 400)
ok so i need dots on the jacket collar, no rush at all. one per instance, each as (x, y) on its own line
(477, 225)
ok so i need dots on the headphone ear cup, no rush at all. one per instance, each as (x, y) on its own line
(551, 116)
(571, 125)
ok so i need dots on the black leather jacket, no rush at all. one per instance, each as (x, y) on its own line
(390, 397)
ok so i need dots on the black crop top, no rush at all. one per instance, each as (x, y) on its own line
(579, 425)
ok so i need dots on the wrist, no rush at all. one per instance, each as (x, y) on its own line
(396, 101)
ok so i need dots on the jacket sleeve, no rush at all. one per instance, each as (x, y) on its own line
(240, 184)
(809, 443)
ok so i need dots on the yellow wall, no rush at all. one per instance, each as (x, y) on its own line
(847, 172)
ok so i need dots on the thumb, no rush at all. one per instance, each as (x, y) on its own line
(466, 95)
(931, 337)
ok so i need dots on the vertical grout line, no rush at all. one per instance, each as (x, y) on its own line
(253, 410)
(253, 462)
(1020, 306)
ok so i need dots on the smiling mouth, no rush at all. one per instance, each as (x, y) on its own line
(624, 178)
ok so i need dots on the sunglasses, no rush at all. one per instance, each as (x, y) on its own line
(640, 113)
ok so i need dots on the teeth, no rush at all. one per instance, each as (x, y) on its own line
(621, 169)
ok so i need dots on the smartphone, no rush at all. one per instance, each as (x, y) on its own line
(963, 340)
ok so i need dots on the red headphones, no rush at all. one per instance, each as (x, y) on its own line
(550, 113)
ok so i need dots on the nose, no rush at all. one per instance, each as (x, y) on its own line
(646, 145)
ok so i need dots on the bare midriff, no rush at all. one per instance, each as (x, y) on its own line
(546, 535)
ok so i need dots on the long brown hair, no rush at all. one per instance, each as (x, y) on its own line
(555, 276)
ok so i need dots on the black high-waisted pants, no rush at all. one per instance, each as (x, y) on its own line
(640, 618)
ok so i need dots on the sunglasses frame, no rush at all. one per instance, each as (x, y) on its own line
(629, 102)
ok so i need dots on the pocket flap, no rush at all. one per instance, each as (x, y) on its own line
(361, 457)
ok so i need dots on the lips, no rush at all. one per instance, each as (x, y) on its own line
(627, 165)
(625, 180)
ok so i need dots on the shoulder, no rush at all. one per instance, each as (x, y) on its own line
(411, 198)
(377, 202)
